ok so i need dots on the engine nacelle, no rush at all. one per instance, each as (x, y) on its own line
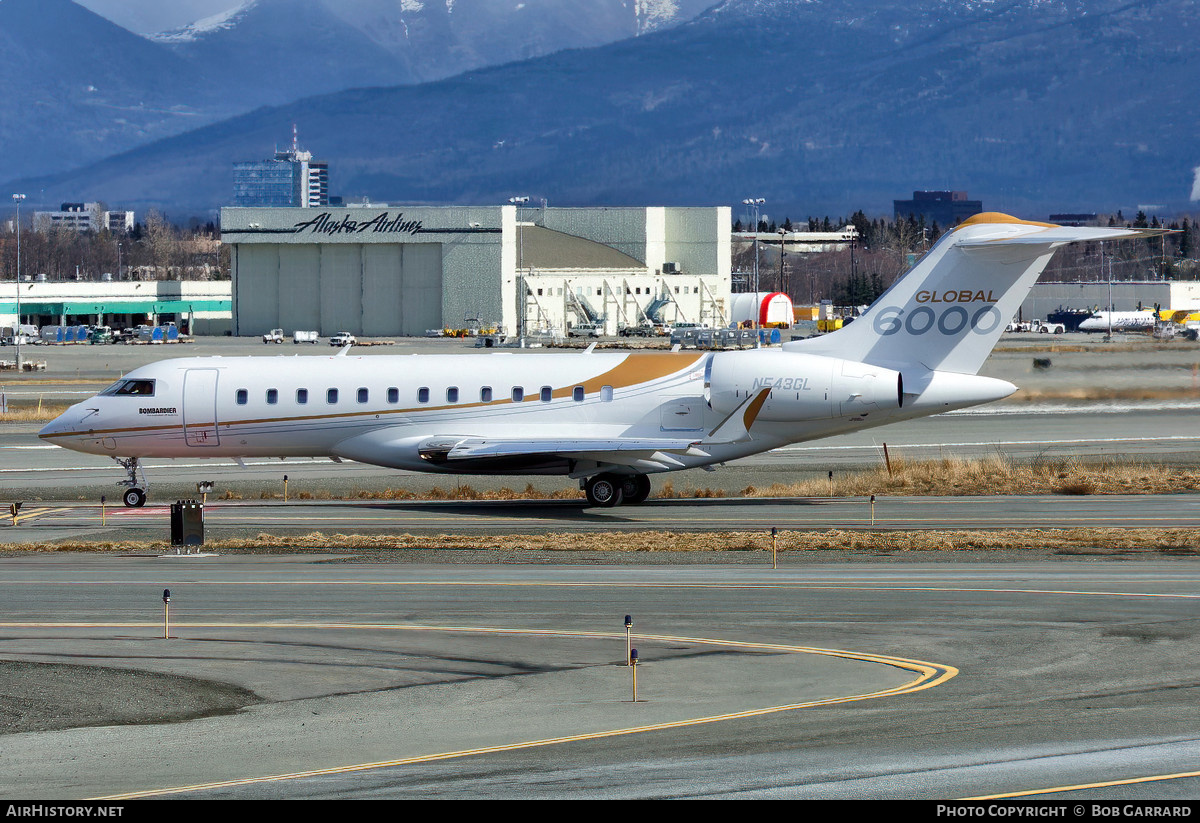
(803, 386)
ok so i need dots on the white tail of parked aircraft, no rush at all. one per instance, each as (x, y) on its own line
(608, 419)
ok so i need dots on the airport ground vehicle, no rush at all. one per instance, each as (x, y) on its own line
(586, 330)
(1046, 327)
(342, 338)
(641, 330)
(273, 336)
(305, 337)
(607, 419)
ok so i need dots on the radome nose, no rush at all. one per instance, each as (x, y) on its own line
(63, 423)
(53, 427)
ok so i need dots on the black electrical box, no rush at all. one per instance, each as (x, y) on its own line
(187, 523)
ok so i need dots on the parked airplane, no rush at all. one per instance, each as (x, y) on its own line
(1142, 320)
(608, 419)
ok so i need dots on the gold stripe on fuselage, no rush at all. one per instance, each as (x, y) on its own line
(636, 369)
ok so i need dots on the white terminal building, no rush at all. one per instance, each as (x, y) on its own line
(379, 270)
(84, 217)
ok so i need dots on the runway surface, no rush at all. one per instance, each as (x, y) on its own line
(878, 680)
(885, 678)
(32, 470)
(40, 523)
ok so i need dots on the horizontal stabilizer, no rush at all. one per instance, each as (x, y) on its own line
(1053, 235)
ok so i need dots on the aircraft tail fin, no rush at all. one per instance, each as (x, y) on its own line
(948, 311)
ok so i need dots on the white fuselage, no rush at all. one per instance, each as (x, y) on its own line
(386, 410)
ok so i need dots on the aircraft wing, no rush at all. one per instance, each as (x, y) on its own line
(473, 448)
(626, 450)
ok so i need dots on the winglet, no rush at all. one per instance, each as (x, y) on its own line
(342, 352)
(736, 427)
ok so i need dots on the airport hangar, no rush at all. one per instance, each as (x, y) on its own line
(379, 270)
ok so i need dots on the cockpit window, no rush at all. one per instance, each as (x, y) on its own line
(141, 388)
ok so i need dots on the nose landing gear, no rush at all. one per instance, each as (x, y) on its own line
(135, 494)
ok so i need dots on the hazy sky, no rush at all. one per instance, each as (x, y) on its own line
(149, 16)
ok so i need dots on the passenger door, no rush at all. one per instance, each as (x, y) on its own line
(200, 407)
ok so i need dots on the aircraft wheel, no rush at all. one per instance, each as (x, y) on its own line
(604, 491)
(635, 488)
(135, 498)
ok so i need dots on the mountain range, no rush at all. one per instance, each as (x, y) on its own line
(80, 88)
(818, 106)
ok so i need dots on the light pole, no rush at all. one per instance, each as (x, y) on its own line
(17, 198)
(755, 202)
(782, 254)
(118, 262)
(518, 202)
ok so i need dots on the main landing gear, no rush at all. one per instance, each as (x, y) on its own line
(135, 494)
(609, 490)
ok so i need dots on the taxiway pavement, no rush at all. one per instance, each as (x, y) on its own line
(505, 681)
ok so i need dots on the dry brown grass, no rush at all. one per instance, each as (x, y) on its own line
(951, 476)
(1084, 541)
(995, 475)
(31, 411)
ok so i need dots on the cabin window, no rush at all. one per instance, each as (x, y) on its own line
(518, 394)
(547, 393)
(393, 395)
(485, 394)
(423, 394)
(301, 396)
(243, 397)
(331, 396)
(606, 394)
(577, 394)
(272, 396)
(452, 394)
(363, 395)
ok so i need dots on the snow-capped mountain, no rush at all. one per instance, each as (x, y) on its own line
(427, 39)
(820, 106)
(79, 88)
(205, 26)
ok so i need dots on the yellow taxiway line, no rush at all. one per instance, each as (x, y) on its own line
(1130, 781)
(928, 675)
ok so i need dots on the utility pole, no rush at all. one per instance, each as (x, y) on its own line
(782, 254)
(755, 202)
(524, 304)
(17, 198)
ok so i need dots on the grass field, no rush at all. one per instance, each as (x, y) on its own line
(1078, 541)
